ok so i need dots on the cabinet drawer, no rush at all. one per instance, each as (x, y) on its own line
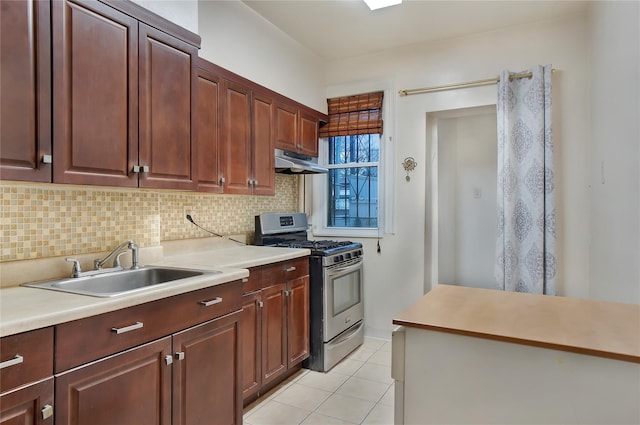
(284, 271)
(295, 268)
(26, 357)
(88, 339)
(254, 281)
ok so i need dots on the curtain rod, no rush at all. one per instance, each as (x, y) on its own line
(476, 83)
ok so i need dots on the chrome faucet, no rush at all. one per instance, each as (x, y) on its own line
(116, 252)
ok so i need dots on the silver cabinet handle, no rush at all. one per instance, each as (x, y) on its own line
(179, 355)
(168, 359)
(260, 304)
(47, 411)
(136, 169)
(221, 180)
(216, 300)
(14, 361)
(290, 269)
(47, 159)
(129, 328)
(245, 279)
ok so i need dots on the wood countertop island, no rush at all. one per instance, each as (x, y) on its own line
(597, 328)
(480, 356)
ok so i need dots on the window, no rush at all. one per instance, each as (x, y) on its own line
(352, 155)
(353, 163)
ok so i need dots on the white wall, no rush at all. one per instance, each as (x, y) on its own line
(238, 39)
(181, 12)
(396, 277)
(614, 179)
(466, 201)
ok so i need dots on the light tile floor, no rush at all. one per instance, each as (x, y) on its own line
(358, 390)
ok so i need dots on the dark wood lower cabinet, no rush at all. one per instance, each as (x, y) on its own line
(28, 405)
(251, 334)
(297, 320)
(191, 377)
(206, 373)
(133, 387)
(274, 326)
(274, 332)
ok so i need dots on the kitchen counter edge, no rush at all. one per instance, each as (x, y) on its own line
(597, 328)
(24, 309)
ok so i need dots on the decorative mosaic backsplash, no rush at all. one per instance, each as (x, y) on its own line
(46, 220)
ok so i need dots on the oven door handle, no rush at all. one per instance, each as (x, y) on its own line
(349, 267)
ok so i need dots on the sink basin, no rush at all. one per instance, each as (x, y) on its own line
(120, 282)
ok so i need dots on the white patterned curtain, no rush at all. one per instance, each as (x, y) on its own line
(526, 242)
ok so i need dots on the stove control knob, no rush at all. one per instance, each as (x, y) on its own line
(340, 257)
(347, 255)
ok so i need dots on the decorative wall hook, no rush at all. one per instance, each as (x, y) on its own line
(409, 165)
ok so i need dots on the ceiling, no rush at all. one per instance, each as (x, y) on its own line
(337, 29)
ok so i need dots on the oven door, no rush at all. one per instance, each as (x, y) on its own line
(343, 302)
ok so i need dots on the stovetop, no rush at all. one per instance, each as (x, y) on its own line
(323, 247)
(289, 230)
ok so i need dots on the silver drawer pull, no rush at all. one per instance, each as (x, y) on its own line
(290, 269)
(216, 300)
(129, 328)
(47, 411)
(14, 361)
(245, 279)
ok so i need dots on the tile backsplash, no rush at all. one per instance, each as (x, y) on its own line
(47, 220)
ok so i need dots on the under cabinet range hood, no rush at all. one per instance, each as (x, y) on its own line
(293, 163)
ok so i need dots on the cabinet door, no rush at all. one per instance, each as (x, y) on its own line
(308, 134)
(274, 332)
(25, 84)
(26, 406)
(251, 337)
(209, 164)
(286, 127)
(133, 387)
(264, 178)
(95, 93)
(236, 139)
(297, 320)
(206, 373)
(167, 84)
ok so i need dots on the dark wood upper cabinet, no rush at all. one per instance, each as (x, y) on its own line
(296, 130)
(210, 160)
(123, 96)
(308, 130)
(236, 138)
(286, 127)
(167, 85)
(262, 115)
(95, 75)
(25, 84)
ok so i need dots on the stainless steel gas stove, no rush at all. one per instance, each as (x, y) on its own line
(336, 288)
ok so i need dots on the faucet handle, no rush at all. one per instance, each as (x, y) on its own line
(76, 266)
(116, 262)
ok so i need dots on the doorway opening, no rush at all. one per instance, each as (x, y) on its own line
(461, 197)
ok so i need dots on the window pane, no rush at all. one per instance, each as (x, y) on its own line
(354, 149)
(353, 197)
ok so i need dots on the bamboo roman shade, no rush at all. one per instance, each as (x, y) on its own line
(352, 115)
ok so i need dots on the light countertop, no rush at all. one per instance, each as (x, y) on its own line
(23, 309)
(598, 328)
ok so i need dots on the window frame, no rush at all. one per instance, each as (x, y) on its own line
(317, 185)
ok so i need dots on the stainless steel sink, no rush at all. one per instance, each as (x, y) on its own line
(120, 282)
